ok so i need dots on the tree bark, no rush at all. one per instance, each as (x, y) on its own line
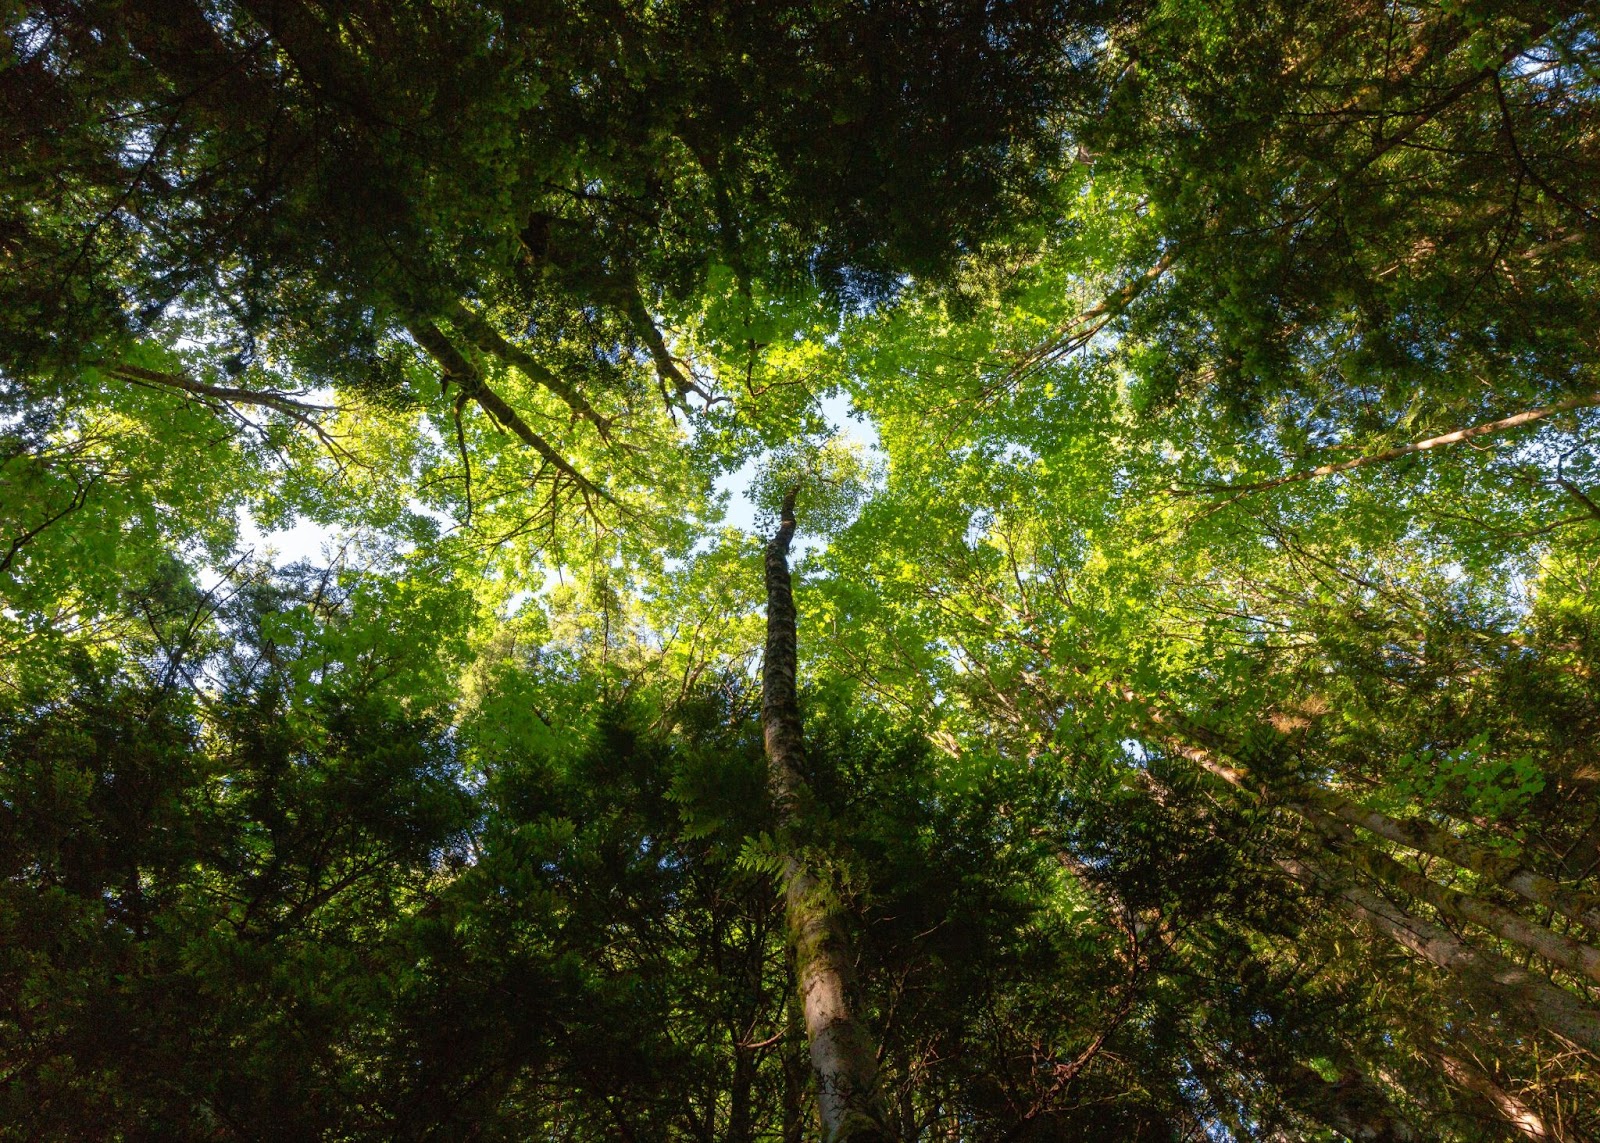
(794, 1070)
(469, 380)
(1564, 952)
(1521, 994)
(1518, 1115)
(843, 1057)
(1508, 872)
(1352, 1105)
(1422, 836)
(740, 1125)
(481, 333)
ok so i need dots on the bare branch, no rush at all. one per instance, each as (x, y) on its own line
(302, 413)
(645, 326)
(466, 464)
(278, 402)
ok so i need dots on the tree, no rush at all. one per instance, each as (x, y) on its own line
(842, 1053)
(510, 200)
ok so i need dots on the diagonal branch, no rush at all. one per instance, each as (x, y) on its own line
(466, 376)
(632, 300)
(1473, 1078)
(1559, 949)
(1078, 332)
(466, 463)
(1188, 740)
(278, 402)
(1588, 401)
(482, 334)
(302, 413)
(1533, 998)
(80, 497)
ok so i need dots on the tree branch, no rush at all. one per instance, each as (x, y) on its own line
(1081, 329)
(482, 334)
(278, 402)
(302, 413)
(80, 496)
(1585, 402)
(466, 376)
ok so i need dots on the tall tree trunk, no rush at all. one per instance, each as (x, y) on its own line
(1204, 749)
(794, 1073)
(843, 1058)
(1518, 1115)
(1562, 951)
(1425, 837)
(1531, 999)
(740, 1126)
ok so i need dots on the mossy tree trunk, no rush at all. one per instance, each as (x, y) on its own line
(843, 1058)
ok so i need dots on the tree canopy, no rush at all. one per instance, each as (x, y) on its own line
(876, 571)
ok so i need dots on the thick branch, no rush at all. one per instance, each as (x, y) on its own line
(461, 372)
(1532, 415)
(1425, 837)
(278, 402)
(488, 339)
(1352, 1105)
(1545, 1004)
(645, 326)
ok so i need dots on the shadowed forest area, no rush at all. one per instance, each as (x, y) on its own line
(857, 571)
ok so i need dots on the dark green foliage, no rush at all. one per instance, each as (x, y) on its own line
(243, 919)
(1370, 210)
(316, 177)
(193, 917)
(1200, 741)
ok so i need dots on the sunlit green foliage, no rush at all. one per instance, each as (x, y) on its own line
(1198, 625)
